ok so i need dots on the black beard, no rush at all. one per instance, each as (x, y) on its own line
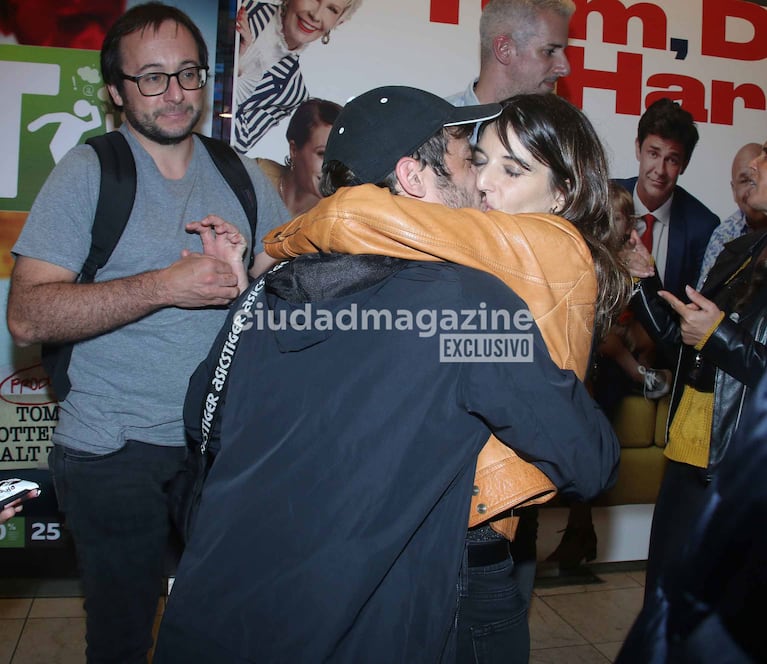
(154, 134)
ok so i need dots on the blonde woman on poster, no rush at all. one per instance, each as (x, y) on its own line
(269, 84)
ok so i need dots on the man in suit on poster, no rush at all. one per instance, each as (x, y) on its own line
(677, 226)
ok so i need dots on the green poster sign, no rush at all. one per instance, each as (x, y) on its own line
(53, 99)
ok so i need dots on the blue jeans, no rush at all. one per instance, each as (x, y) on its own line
(492, 616)
(116, 508)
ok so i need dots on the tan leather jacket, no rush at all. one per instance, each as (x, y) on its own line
(543, 258)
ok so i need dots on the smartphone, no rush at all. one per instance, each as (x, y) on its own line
(14, 488)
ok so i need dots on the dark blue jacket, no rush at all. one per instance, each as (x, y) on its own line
(709, 608)
(690, 227)
(332, 524)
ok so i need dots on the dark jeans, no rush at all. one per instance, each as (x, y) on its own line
(682, 496)
(524, 550)
(116, 508)
(493, 602)
(492, 617)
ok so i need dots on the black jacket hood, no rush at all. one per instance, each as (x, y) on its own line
(309, 298)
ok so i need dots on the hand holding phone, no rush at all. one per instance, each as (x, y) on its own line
(17, 489)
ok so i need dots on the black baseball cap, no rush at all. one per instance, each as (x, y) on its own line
(379, 127)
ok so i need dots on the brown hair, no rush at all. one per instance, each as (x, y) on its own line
(560, 136)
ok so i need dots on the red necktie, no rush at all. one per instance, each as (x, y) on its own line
(647, 235)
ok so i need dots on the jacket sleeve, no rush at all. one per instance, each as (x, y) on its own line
(545, 414)
(733, 349)
(547, 417)
(652, 311)
(541, 257)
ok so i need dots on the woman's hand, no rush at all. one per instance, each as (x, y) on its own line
(696, 318)
(634, 255)
(222, 240)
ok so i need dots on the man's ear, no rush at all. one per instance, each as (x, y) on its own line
(410, 177)
(115, 94)
(637, 148)
(503, 48)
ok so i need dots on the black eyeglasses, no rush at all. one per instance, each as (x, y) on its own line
(155, 83)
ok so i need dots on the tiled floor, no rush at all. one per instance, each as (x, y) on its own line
(569, 624)
(585, 624)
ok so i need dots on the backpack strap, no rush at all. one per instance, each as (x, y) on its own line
(116, 196)
(236, 175)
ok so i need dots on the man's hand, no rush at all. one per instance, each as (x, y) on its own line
(196, 280)
(695, 318)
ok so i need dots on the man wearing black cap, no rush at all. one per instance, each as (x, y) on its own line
(347, 427)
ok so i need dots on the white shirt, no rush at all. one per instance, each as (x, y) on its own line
(660, 230)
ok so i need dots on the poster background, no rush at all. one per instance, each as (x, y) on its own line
(394, 42)
(431, 44)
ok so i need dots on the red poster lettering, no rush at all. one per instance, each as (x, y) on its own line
(714, 40)
(626, 81)
(615, 18)
(688, 91)
(446, 11)
(724, 94)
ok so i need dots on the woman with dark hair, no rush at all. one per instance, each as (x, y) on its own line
(273, 33)
(298, 180)
(542, 151)
(543, 155)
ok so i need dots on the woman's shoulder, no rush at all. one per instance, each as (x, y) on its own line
(553, 233)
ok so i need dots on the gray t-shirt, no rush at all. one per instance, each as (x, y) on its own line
(130, 383)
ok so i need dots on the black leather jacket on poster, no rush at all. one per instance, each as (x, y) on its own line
(734, 358)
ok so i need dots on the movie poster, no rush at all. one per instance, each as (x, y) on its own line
(708, 54)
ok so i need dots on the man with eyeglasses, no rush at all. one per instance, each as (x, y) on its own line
(141, 328)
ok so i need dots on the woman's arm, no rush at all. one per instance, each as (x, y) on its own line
(542, 258)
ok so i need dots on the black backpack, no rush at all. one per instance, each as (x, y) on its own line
(116, 195)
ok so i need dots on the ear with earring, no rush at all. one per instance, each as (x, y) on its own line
(325, 38)
(558, 203)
